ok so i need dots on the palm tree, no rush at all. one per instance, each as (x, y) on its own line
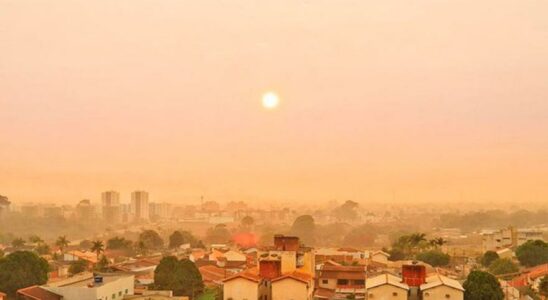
(62, 242)
(35, 239)
(438, 242)
(97, 247)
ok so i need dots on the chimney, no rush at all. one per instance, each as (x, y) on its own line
(413, 275)
(270, 269)
(286, 243)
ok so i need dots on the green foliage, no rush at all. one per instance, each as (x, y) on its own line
(85, 244)
(18, 243)
(361, 236)
(180, 276)
(481, 285)
(348, 211)
(22, 269)
(396, 254)
(150, 239)
(118, 243)
(218, 234)
(543, 286)
(62, 242)
(503, 266)
(488, 257)
(247, 222)
(102, 264)
(35, 239)
(42, 249)
(305, 228)
(77, 266)
(178, 238)
(493, 218)
(434, 258)
(533, 253)
(98, 247)
(410, 244)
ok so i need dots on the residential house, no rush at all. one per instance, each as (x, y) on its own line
(36, 292)
(247, 285)
(292, 286)
(335, 280)
(386, 287)
(441, 287)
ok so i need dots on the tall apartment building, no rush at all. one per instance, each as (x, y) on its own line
(509, 237)
(139, 205)
(110, 201)
(159, 210)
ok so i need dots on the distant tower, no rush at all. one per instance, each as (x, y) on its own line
(110, 201)
(139, 205)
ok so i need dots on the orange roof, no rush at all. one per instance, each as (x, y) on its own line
(302, 277)
(249, 274)
(538, 271)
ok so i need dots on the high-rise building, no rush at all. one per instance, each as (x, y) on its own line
(159, 210)
(139, 205)
(111, 207)
(84, 210)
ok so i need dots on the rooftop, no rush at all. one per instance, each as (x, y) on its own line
(385, 279)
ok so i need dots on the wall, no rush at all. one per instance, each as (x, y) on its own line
(240, 289)
(331, 283)
(384, 292)
(441, 291)
(290, 289)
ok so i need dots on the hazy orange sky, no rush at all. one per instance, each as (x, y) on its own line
(424, 100)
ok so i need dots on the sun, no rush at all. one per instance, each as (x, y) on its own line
(270, 100)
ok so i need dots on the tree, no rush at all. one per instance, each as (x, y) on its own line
(98, 247)
(176, 239)
(247, 222)
(361, 236)
(18, 243)
(503, 266)
(102, 264)
(347, 211)
(85, 244)
(118, 243)
(77, 266)
(218, 234)
(22, 269)
(533, 253)
(488, 257)
(543, 286)
(396, 254)
(437, 242)
(151, 239)
(35, 239)
(62, 242)
(481, 285)
(435, 258)
(42, 249)
(305, 228)
(180, 276)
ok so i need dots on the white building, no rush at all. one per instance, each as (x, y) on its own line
(139, 205)
(112, 212)
(87, 287)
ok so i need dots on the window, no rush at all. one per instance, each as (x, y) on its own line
(120, 293)
(359, 282)
(342, 281)
(426, 294)
(325, 281)
(394, 294)
(113, 296)
(447, 296)
(126, 291)
(370, 295)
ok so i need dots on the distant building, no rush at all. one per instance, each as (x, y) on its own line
(84, 210)
(139, 205)
(4, 206)
(508, 238)
(110, 203)
(159, 210)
